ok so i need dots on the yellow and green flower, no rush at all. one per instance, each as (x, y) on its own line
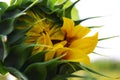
(43, 36)
(68, 39)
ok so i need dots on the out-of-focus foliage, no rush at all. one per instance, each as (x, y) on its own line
(107, 67)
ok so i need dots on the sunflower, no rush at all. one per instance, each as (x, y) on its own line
(43, 37)
(76, 45)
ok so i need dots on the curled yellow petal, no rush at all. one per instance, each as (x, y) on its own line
(50, 55)
(73, 55)
(56, 33)
(86, 44)
(43, 40)
(67, 27)
(80, 31)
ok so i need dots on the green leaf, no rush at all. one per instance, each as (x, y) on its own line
(16, 73)
(36, 71)
(20, 53)
(107, 38)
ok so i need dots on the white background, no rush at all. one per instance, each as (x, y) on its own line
(110, 11)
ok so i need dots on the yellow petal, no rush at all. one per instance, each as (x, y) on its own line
(80, 31)
(68, 26)
(56, 34)
(30, 39)
(86, 44)
(74, 55)
(43, 40)
(35, 31)
(51, 54)
(61, 51)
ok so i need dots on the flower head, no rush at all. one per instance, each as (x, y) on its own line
(71, 40)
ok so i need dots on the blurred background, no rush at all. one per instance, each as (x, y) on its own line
(108, 62)
(109, 10)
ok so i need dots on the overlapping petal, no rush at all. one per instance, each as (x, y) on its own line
(86, 44)
(70, 40)
(73, 55)
(78, 46)
(68, 26)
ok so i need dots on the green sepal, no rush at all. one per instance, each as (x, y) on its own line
(101, 39)
(44, 2)
(15, 72)
(60, 5)
(91, 27)
(9, 17)
(75, 14)
(3, 7)
(25, 3)
(6, 26)
(3, 47)
(36, 71)
(69, 68)
(52, 68)
(66, 76)
(39, 57)
(3, 71)
(7, 23)
(41, 68)
(98, 54)
(93, 71)
(82, 20)
(17, 34)
(15, 3)
(67, 11)
(20, 53)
